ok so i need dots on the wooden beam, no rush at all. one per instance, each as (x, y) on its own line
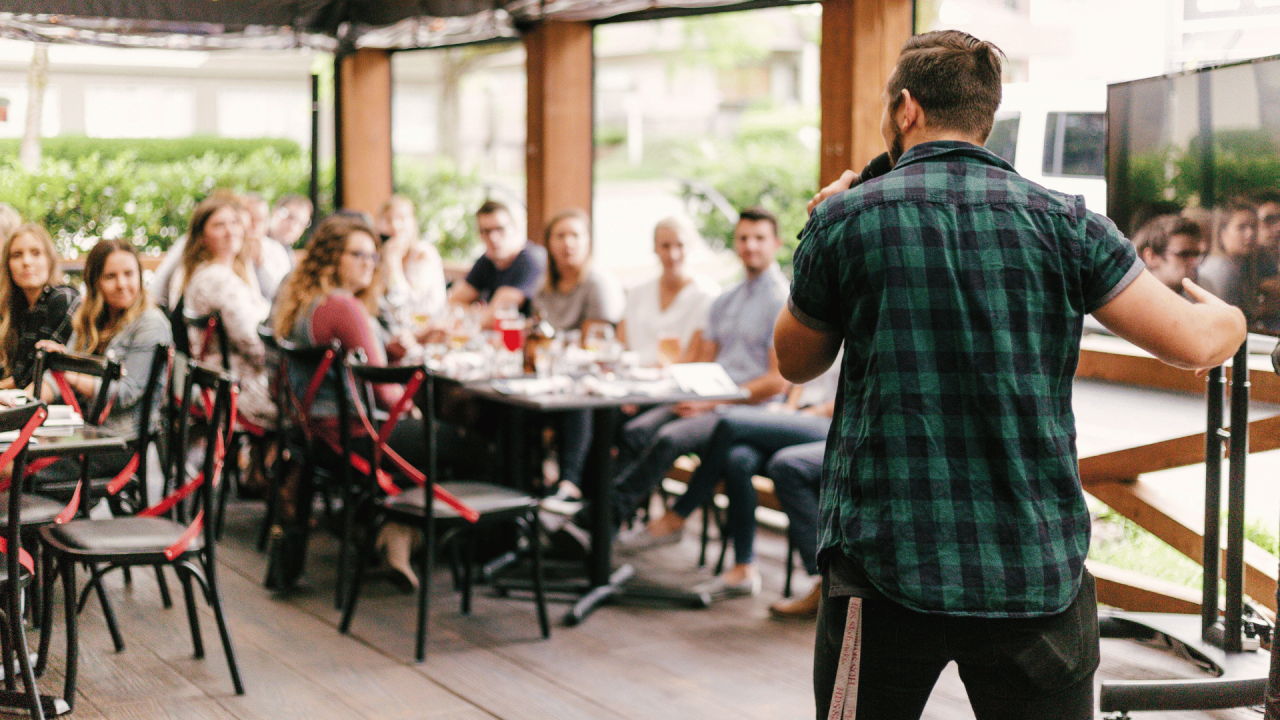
(1130, 591)
(1142, 503)
(1126, 465)
(559, 144)
(1114, 360)
(365, 128)
(861, 40)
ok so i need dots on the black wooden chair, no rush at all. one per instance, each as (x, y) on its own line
(157, 535)
(460, 508)
(19, 569)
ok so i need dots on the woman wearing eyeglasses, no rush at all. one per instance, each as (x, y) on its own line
(333, 295)
(216, 277)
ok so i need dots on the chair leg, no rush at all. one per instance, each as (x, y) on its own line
(197, 639)
(73, 637)
(107, 613)
(791, 564)
(706, 532)
(539, 595)
(722, 523)
(425, 562)
(468, 562)
(214, 597)
(6, 648)
(353, 592)
(46, 610)
(165, 598)
(19, 644)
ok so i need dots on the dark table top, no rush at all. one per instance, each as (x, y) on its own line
(579, 401)
(72, 441)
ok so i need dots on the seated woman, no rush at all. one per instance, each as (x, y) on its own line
(32, 306)
(575, 297)
(333, 295)
(742, 443)
(412, 271)
(116, 317)
(216, 277)
(1229, 270)
(662, 315)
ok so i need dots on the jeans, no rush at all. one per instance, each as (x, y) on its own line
(651, 442)
(796, 472)
(1013, 668)
(743, 440)
(573, 434)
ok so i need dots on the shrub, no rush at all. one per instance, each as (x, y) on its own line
(153, 150)
(88, 198)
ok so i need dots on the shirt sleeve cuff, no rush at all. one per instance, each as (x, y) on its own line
(1132, 274)
(809, 321)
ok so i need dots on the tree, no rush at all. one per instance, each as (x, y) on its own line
(37, 78)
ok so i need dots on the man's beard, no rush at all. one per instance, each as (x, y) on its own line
(895, 147)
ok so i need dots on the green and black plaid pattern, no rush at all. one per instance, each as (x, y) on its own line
(960, 289)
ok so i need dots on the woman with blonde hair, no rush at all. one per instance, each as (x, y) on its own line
(117, 317)
(33, 306)
(217, 278)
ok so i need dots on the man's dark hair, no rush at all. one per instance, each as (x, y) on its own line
(294, 199)
(490, 207)
(759, 214)
(1264, 196)
(954, 76)
(1157, 231)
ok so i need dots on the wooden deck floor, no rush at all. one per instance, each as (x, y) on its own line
(628, 661)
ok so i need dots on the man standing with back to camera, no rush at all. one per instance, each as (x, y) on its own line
(953, 524)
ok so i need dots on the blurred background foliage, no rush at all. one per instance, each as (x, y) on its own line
(90, 188)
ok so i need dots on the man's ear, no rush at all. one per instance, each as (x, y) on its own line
(909, 114)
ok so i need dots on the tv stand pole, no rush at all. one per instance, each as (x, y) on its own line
(1226, 646)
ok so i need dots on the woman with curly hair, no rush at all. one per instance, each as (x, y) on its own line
(116, 317)
(333, 295)
(33, 307)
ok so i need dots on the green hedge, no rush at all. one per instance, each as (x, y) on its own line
(83, 200)
(153, 150)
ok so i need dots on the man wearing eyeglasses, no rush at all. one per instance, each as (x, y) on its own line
(1172, 247)
(511, 268)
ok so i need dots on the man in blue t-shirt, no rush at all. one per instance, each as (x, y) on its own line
(511, 269)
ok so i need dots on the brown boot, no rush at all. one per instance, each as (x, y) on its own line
(805, 607)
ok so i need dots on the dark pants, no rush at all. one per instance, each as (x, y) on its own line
(1020, 668)
(796, 472)
(742, 441)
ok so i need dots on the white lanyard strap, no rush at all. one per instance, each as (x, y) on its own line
(844, 696)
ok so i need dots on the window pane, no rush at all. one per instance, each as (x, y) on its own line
(1084, 144)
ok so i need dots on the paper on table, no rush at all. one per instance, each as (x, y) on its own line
(706, 378)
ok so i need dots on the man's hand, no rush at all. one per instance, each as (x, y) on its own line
(841, 184)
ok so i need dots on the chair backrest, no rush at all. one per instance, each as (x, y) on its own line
(153, 397)
(107, 368)
(212, 329)
(213, 389)
(23, 420)
(321, 365)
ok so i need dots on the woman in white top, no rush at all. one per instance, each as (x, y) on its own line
(412, 270)
(662, 315)
(217, 277)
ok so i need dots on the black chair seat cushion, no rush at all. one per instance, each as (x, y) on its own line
(36, 509)
(485, 498)
(128, 535)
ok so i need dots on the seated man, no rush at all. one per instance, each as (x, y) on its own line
(742, 443)
(740, 338)
(511, 269)
(1172, 247)
(796, 472)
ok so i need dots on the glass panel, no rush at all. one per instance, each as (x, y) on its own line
(1003, 140)
(1083, 144)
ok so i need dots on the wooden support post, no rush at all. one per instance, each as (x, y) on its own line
(364, 129)
(860, 44)
(559, 144)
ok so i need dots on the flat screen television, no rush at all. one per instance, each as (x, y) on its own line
(1205, 145)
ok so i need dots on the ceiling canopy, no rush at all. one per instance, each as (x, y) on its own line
(321, 24)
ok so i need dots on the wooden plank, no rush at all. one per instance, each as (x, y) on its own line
(1114, 360)
(559, 154)
(1124, 465)
(1131, 591)
(1174, 524)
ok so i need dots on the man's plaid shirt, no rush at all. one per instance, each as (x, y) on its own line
(960, 289)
